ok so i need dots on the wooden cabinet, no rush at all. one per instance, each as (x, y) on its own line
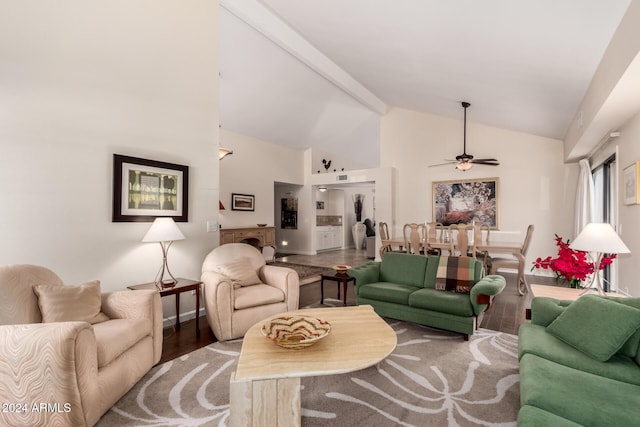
(255, 236)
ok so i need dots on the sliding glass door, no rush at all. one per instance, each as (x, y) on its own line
(605, 181)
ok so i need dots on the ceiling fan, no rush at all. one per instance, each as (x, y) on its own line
(465, 161)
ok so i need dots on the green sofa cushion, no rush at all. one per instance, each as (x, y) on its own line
(544, 310)
(534, 339)
(404, 269)
(385, 291)
(631, 348)
(443, 302)
(579, 396)
(596, 326)
(530, 416)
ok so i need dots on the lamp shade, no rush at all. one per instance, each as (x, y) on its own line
(163, 230)
(599, 237)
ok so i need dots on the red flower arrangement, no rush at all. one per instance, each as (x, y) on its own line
(570, 263)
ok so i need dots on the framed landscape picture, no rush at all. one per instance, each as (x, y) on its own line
(243, 202)
(467, 201)
(631, 190)
(144, 190)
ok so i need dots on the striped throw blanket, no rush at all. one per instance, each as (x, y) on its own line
(455, 274)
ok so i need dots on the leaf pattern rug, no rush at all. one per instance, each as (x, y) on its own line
(433, 378)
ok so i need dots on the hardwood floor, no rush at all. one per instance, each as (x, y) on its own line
(506, 314)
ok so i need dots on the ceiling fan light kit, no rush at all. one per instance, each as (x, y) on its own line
(465, 161)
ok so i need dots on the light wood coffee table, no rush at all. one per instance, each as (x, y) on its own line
(265, 389)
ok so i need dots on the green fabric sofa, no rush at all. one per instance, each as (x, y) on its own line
(581, 369)
(402, 287)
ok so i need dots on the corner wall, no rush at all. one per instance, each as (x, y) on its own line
(253, 168)
(81, 81)
(629, 215)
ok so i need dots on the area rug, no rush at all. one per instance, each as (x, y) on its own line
(306, 273)
(433, 378)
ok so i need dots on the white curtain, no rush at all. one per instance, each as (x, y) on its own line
(584, 198)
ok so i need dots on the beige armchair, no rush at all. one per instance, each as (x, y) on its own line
(75, 368)
(240, 290)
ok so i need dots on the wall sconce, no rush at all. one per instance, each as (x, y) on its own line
(223, 152)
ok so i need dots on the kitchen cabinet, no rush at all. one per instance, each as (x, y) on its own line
(328, 237)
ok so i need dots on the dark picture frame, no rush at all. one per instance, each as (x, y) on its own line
(467, 201)
(289, 213)
(243, 202)
(631, 181)
(144, 190)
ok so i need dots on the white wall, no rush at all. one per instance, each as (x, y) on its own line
(629, 215)
(253, 168)
(81, 81)
(333, 202)
(535, 186)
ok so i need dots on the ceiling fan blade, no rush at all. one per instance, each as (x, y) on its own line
(443, 164)
(488, 163)
(484, 160)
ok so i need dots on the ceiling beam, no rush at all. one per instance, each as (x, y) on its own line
(256, 15)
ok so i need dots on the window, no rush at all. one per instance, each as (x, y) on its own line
(605, 184)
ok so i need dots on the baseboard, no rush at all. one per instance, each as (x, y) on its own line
(169, 322)
(283, 253)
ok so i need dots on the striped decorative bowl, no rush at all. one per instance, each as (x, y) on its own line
(341, 268)
(295, 332)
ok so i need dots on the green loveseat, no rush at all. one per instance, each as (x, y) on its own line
(581, 369)
(402, 287)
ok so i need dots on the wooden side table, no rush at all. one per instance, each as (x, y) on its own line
(182, 285)
(337, 277)
(562, 293)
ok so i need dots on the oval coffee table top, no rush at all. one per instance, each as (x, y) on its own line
(359, 338)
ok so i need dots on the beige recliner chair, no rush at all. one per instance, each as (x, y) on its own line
(240, 289)
(79, 369)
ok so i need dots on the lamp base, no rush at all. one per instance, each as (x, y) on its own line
(167, 284)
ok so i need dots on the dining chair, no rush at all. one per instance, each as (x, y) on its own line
(463, 246)
(384, 231)
(481, 233)
(414, 238)
(384, 238)
(438, 238)
(497, 263)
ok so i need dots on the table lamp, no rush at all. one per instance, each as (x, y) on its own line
(602, 239)
(164, 231)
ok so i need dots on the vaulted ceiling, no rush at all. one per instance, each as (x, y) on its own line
(321, 73)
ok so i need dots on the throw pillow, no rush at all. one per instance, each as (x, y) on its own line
(70, 303)
(455, 274)
(240, 271)
(596, 326)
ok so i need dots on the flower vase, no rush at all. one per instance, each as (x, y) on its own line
(574, 283)
(358, 232)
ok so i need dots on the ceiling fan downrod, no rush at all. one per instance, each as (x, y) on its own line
(464, 157)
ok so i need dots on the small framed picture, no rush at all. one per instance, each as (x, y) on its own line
(144, 190)
(631, 176)
(319, 205)
(243, 202)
